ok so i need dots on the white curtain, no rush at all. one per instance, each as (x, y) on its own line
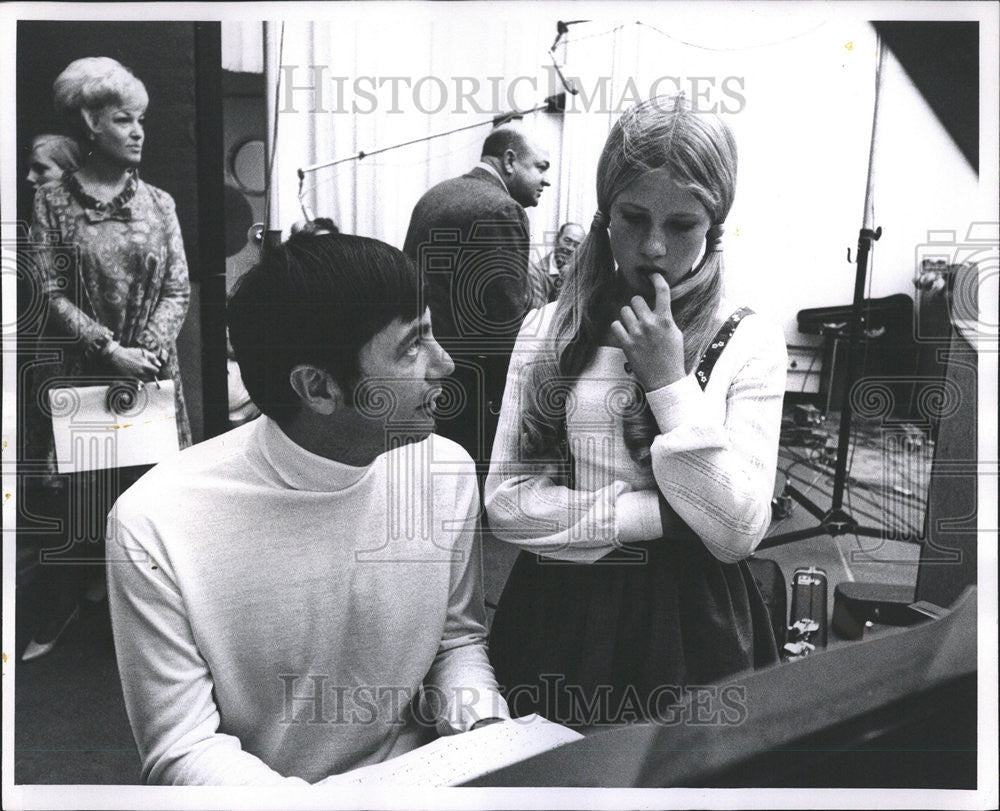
(796, 84)
(425, 60)
(243, 46)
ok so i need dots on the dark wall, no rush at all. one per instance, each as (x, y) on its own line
(942, 59)
(162, 55)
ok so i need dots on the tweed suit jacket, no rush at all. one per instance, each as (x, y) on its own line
(470, 239)
(483, 293)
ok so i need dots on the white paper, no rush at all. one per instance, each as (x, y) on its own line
(455, 759)
(89, 436)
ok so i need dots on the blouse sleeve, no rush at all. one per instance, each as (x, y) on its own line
(716, 467)
(528, 508)
(165, 321)
(59, 278)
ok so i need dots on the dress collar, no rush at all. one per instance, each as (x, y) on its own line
(300, 469)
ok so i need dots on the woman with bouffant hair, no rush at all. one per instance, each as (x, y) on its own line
(122, 301)
(637, 448)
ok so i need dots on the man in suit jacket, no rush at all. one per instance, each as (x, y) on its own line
(470, 239)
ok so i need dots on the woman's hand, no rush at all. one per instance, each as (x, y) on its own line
(134, 362)
(652, 342)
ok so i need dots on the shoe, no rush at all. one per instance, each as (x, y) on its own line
(47, 638)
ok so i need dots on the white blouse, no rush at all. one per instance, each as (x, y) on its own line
(714, 460)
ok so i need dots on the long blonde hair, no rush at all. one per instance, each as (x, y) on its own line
(700, 152)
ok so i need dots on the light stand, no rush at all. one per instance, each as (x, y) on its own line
(837, 521)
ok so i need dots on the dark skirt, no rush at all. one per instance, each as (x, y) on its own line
(619, 639)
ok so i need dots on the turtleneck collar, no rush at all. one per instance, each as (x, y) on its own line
(300, 469)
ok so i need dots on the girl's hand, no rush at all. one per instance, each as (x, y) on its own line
(135, 362)
(652, 342)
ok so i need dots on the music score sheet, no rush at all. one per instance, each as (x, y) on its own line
(454, 759)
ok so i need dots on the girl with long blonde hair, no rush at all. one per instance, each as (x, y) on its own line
(635, 457)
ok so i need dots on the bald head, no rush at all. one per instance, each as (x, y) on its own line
(568, 239)
(503, 138)
(520, 161)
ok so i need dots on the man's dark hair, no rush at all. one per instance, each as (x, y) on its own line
(318, 300)
(502, 139)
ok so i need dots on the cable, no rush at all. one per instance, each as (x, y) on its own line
(361, 155)
(890, 492)
(788, 470)
(610, 31)
(274, 133)
(731, 48)
(900, 520)
(824, 468)
(640, 23)
(805, 381)
(895, 511)
(319, 183)
(891, 506)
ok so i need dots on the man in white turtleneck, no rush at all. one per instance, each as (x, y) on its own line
(303, 595)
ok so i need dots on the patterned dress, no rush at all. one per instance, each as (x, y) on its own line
(107, 271)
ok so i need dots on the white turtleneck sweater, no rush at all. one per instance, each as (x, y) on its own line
(274, 612)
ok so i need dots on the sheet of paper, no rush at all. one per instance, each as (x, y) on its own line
(454, 759)
(90, 437)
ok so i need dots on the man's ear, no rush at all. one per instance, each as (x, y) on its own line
(508, 161)
(316, 388)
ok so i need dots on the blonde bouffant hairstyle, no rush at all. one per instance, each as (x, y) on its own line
(93, 83)
(700, 152)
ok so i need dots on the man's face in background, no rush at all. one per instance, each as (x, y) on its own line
(569, 239)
